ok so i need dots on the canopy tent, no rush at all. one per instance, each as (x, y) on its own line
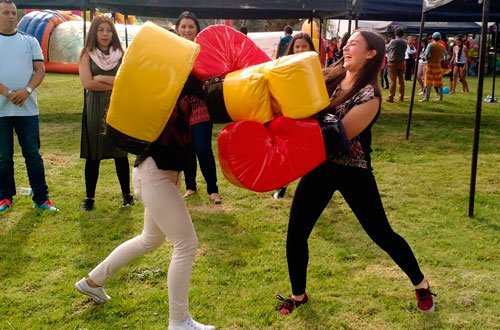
(414, 27)
(473, 10)
(52, 4)
(250, 9)
(411, 10)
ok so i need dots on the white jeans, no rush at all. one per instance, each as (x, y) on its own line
(165, 215)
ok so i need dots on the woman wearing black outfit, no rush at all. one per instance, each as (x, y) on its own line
(355, 100)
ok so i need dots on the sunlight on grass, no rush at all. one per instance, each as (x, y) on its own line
(241, 262)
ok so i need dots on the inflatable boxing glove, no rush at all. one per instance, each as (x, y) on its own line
(224, 50)
(265, 157)
(296, 83)
(237, 90)
(291, 85)
(147, 85)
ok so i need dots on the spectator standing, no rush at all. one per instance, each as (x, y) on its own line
(411, 50)
(332, 51)
(99, 61)
(396, 50)
(459, 60)
(188, 26)
(284, 42)
(422, 65)
(434, 54)
(21, 72)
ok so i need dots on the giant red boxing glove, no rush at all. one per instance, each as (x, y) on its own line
(224, 50)
(265, 157)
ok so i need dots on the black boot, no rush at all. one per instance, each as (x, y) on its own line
(88, 204)
(128, 200)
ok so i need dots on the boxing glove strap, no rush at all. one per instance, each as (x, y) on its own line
(126, 142)
(214, 97)
(334, 136)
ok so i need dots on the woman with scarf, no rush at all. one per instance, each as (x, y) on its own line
(98, 64)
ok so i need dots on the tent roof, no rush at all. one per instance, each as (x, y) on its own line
(52, 4)
(261, 9)
(429, 27)
(396, 10)
(248, 9)
(411, 10)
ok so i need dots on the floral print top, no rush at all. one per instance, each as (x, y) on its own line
(359, 154)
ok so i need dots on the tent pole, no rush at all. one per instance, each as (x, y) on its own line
(84, 25)
(477, 121)
(126, 31)
(320, 37)
(493, 100)
(412, 97)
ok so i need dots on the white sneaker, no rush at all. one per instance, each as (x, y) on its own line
(189, 324)
(97, 294)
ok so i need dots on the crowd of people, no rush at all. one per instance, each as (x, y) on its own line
(351, 79)
(436, 60)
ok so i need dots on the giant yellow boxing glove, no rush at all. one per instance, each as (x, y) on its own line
(148, 83)
(297, 85)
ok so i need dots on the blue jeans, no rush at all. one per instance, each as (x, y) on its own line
(201, 139)
(28, 135)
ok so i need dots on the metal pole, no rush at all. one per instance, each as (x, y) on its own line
(493, 100)
(412, 97)
(126, 31)
(477, 121)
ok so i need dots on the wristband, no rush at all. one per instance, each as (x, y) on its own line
(9, 93)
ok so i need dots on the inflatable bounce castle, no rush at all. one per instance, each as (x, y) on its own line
(60, 35)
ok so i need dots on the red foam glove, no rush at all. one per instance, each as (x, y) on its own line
(224, 50)
(265, 157)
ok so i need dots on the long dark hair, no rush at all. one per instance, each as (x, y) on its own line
(368, 76)
(91, 42)
(188, 15)
(461, 47)
(300, 35)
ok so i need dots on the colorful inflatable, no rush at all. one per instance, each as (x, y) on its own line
(40, 24)
(60, 35)
(147, 86)
(263, 150)
(312, 29)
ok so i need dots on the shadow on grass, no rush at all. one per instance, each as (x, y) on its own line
(60, 118)
(13, 244)
(101, 231)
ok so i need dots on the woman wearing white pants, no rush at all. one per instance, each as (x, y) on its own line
(156, 179)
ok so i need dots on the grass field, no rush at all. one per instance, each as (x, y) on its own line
(241, 264)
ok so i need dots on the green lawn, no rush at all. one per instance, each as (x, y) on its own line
(241, 264)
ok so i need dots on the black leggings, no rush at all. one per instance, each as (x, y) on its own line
(359, 189)
(92, 174)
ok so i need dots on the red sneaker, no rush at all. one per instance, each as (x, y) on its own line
(290, 304)
(5, 204)
(425, 302)
(46, 206)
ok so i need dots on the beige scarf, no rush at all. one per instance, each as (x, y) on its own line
(106, 62)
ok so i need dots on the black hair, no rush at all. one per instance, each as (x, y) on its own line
(300, 35)
(188, 15)
(335, 73)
